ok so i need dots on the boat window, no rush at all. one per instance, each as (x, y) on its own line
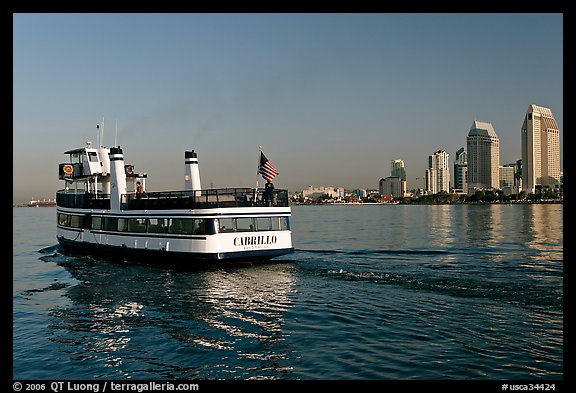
(122, 224)
(226, 225)
(110, 223)
(284, 224)
(96, 222)
(263, 223)
(92, 156)
(205, 227)
(63, 219)
(184, 226)
(209, 225)
(137, 225)
(201, 228)
(244, 224)
(76, 221)
(275, 223)
(87, 221)
(157, 225)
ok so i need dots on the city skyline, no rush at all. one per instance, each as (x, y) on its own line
(331, 98)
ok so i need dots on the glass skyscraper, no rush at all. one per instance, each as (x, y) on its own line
(460, 170)
(397, 169)
(483, 148)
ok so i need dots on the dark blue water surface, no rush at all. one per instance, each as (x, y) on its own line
(373, 292)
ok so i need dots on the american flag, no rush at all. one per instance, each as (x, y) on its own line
(266, 169)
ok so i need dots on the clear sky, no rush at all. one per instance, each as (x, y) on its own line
(331, 98)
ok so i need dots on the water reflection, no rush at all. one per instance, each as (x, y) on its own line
(440, 222)
(542, 226)
(201, 324)
(481, 222)
(542, 233)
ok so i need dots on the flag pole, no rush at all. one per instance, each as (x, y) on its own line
(257, 173)
(258, 166)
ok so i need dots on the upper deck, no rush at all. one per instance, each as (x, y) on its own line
(164, 200)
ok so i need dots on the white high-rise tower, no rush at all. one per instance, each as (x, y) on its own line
(397, 169)
(438, 173)
(540, 139)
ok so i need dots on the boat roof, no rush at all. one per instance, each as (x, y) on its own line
(80, 150)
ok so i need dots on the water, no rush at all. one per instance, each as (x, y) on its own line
(467, 292)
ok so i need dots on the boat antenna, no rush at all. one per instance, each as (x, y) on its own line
(100, 127)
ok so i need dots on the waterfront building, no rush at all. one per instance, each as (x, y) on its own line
(507, 174)
(393, 185)
(397, 169)
(540, 144)
(315, 192)
(460, 172)
(483, 151)
(360, 192)
(438, 173)
(518, 175)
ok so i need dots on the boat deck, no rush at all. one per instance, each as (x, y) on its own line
(208, 199)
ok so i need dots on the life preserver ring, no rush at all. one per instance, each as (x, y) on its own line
(68, 169)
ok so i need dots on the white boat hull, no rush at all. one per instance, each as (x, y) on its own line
(168, 248)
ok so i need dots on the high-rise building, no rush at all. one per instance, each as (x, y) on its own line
(438, 173)
(393, 185)
(483, 151)
(397, 169)
(518, 174)
(540, 143)
(506, 175)
(460, 171)
(508, 182)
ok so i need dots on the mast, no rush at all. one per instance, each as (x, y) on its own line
(100, 127)
(104, 159)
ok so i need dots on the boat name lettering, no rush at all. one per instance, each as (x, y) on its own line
(254, 240)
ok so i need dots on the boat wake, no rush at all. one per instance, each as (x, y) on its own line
(464, 287)
(434, 271)
(373, 252)
(57, 254)
(51, 249)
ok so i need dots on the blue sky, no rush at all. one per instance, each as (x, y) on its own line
(331, 98)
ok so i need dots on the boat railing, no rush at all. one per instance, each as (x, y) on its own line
(82, 200)
(205, 199)
(157, 200)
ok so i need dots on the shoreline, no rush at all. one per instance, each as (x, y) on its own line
(550, 202)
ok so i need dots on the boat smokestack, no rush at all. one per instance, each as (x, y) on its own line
(192, 173)
(103, 153)
(117, 178)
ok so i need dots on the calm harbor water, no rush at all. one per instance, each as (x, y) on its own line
(466, 292)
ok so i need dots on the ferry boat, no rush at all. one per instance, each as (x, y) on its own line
(104, 209)
(41, 203)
